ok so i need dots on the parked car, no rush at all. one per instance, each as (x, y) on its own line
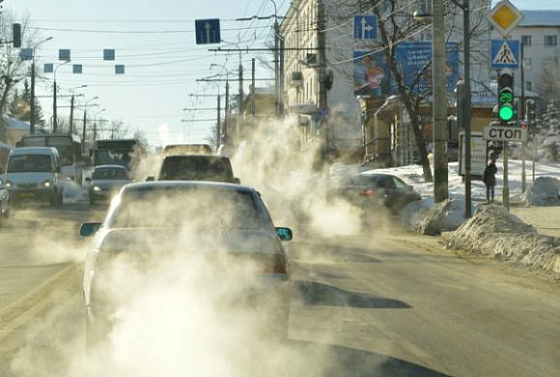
(106, 181)
(159, 214)
(196, 168)
(34, 174)
(4, 202)
(375, 189)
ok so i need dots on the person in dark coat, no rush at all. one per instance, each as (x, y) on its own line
(489, 179)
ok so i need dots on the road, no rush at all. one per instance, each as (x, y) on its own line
(390, 304)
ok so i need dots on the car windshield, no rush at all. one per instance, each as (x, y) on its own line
(196, 168)
(186, 207)
(110, 174)
(29, 163)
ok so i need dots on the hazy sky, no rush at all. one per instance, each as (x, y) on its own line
(156, 43)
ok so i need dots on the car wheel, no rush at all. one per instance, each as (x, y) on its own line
(60, 199)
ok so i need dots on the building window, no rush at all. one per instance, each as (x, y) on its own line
(550, 40)
(526, 40)
(527, 64)
(528, 85)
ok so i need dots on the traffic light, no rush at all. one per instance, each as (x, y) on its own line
(16, 35)
(505, 95)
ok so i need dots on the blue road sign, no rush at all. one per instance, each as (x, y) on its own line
(207, 31)
(64, 54)
(365, 27)
(505, 53)
(108, 54)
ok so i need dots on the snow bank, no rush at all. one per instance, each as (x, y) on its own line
(544, 191)
(425, 218)
(494, 232)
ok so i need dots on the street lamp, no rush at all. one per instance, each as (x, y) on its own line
(55, 118)
(84, 124)
(72, 107)
(226, 110)
(95, 123)
(32, 104)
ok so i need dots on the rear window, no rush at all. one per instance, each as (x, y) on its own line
(109, 174)
(196, 168)
(186, 207)
(29, 163)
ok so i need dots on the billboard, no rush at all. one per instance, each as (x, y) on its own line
(372, 75)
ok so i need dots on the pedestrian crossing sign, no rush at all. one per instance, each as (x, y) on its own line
(505, 54)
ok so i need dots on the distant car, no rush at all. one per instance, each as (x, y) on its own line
(4, 202)
(106, 181)
(34, 174)
(374, 189)
(152, 218)
(196, 168)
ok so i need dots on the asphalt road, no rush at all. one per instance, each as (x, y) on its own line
(390, 304)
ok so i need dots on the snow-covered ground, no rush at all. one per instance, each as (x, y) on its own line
(492, 230)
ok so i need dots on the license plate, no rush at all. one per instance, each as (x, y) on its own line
(27, 195)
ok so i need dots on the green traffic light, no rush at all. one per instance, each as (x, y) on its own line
(506, 113)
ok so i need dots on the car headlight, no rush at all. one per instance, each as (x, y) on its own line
(9, 184)
(47, 184)
(71, 178)
(96, 188)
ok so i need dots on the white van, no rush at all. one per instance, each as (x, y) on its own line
(35, 174)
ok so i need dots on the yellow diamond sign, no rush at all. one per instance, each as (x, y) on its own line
(505, 17)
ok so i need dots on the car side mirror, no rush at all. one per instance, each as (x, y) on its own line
(237, 181)
(150, 179)
(285, 234)
(88, 229)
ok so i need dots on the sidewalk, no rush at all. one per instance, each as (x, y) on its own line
(546, 220)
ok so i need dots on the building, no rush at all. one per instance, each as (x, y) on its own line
(353, 118)
(539, 33)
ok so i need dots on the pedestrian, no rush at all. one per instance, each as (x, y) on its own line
(489, 179)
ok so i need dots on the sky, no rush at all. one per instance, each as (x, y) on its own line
(156, 43)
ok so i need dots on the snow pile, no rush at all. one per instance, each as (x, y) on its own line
(495, 232)
(544, 191)
(441, 217)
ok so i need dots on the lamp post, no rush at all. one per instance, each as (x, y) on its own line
(95, 124)
(84, 124)
(72, 107)
(226, 110)
(55, 118)
(32, 104)
(276, 59)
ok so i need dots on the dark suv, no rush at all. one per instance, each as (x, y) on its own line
(196, 168)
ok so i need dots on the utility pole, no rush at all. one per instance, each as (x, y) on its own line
(55, 119)
(84, 133)
(276, 63)
(439, 105)
(32, 104)
(522, 116)
(253, 89)
(240, 102)
(321, 45)
(467, 105)
(226, 110)
(72, 114)
(218, 132)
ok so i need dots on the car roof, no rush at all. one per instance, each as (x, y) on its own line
(191, 156)
(109, 167)
(33, 150)
(368, 174)
(162, 185)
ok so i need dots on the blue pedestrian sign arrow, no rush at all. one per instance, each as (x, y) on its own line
(504, 54)
(365, 27)
(207, 31)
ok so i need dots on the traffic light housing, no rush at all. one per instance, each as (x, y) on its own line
(16, 35)
(506, 107)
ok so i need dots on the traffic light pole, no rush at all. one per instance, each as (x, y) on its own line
(522, 116)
